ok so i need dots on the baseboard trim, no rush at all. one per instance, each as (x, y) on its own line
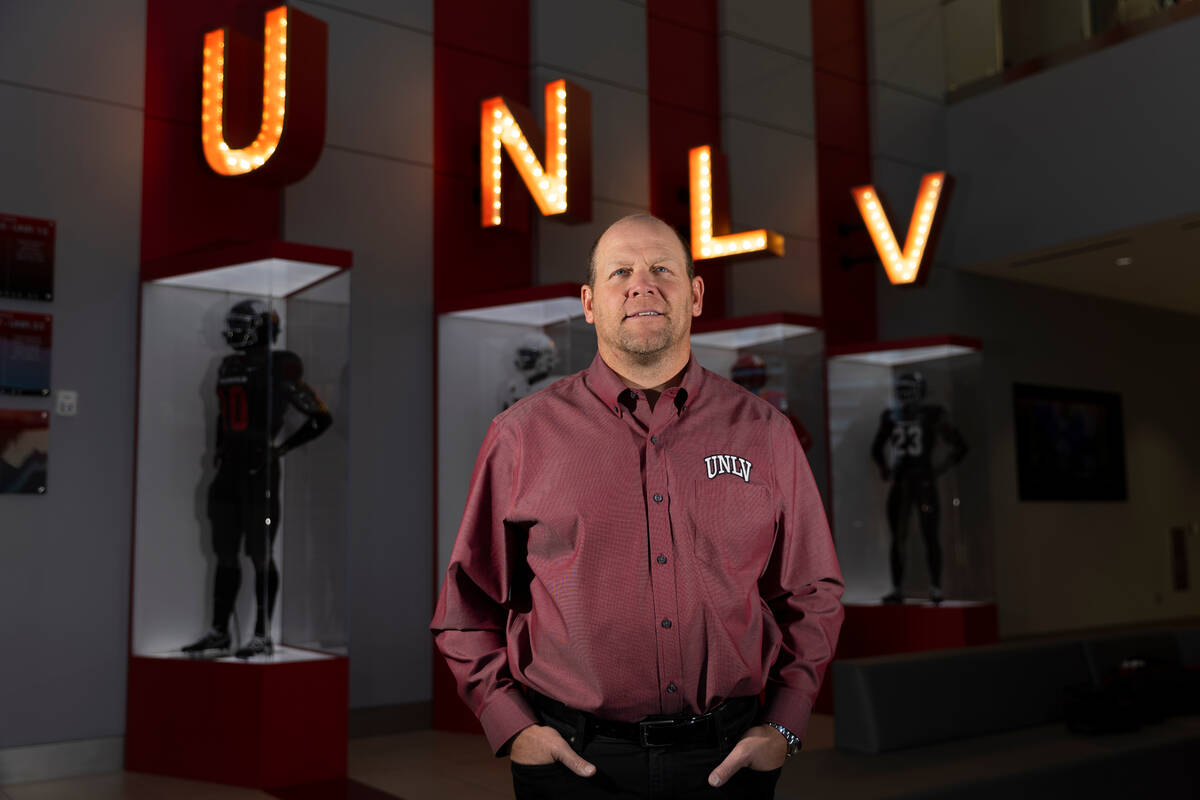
(386, 720)
(44, 762)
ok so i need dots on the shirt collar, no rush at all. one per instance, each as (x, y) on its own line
(608, 386)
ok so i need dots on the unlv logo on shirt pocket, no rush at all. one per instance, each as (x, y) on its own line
(733, 524)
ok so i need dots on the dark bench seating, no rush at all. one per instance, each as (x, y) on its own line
(988, 721)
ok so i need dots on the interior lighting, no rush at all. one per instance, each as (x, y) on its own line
(224, 159)
(902, 266)
(710, 234)
(501, 131)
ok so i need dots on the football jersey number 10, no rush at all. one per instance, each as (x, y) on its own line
(234, 407)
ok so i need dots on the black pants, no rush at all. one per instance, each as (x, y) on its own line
(628, 770)
(920, 491)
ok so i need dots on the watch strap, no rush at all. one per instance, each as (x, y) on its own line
(793, 741)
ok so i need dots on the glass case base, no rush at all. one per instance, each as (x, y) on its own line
(254, 724)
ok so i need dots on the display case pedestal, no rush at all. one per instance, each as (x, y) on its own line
(259, 725)
(881, 630)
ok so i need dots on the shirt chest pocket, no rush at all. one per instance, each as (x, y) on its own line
(732, 524)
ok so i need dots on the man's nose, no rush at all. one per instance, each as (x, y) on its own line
(642, 284)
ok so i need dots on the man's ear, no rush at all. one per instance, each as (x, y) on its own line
(585, 297)
(697, 295)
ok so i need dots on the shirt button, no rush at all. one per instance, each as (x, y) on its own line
(666, 623)
(658, 498)
(662, 559)
(616, 410)
(654, 439)
(672, 688)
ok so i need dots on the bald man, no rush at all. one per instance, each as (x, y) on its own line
(643, 555)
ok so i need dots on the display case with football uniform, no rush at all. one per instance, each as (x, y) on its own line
(494, 350)
(908, 444)
(239, 559)
(780, 358)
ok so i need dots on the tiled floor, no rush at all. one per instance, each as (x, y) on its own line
(421, 765)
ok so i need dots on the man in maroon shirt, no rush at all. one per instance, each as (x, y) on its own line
(643, 553)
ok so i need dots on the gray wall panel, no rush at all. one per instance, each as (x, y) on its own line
(95, 50)
(64, 557)
(380, 96)
(772, 179)
(766, 85)
(382, 211)
(757, 286)
(908, 127)
(906, 45)
(416, 14)
(1091, 146)
(605, 39)
(781, 24)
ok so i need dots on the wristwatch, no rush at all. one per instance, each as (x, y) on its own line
(793, 741)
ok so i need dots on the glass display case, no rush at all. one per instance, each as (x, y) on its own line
(779, 357)
(492, 352)
(908, 447)
(239, 556)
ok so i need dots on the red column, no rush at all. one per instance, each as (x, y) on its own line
(684, 81)
(840, 81)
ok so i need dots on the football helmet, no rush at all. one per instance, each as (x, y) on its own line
(749, 371)
(910, 388)
(536, 354)
(251, 323)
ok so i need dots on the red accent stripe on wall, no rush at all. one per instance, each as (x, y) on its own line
(683, 63)
(185, 205)
(480, 50)
(843, 161)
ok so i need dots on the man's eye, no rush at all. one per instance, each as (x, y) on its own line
(661, 268)
(619, 270)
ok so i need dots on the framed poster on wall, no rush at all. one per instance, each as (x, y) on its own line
(24, 451)
(25, 353)
(1070, 444)
(26, 258)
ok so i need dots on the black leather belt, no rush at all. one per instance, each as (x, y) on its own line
(724, 722)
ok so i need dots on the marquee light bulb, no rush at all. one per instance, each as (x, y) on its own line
(548, 187)
(223, 159)
(902, 265)
(704, 187)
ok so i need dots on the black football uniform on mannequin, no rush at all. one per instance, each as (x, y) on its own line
(255, 388)
(912, 429)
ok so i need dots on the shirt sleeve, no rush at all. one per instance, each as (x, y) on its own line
(469, 623)
(802, 586)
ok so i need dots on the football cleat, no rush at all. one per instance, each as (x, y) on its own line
(257, 646)
(213, 640)
(935, 595)
(894, 598)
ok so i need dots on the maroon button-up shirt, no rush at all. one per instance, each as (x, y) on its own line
(629, 562)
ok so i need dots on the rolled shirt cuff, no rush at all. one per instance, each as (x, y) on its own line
(504, 717)
(790, 709)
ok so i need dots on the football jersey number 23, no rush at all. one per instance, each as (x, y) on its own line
(907, 438)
